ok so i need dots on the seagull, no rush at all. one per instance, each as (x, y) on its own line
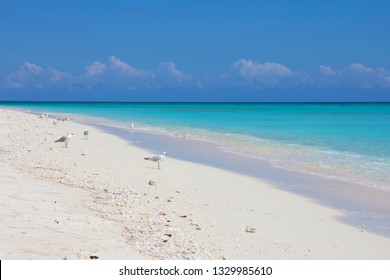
(65, 139)
(157, 158)
(131, 126)
(86, 133)
(55, 121)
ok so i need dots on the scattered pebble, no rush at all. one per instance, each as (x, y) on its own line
(152, 183)
(250, 229)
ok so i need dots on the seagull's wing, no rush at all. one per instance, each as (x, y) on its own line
(158, 158)
(155, 158)
(62, 139)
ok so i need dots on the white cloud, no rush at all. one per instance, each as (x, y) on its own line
(96, 69)
(169, 75)
(355, 75)
(117, 74)
(31, 75)
(30, 68)
(253, 70)
(269, 74)
(94, 74)
(121, 67)
(327, 71)
(357, 68)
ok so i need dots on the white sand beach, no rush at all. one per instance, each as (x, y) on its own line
(98, 197)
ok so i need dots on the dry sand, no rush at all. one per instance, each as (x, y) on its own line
(95, 199)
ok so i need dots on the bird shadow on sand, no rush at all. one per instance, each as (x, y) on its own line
(154, 168)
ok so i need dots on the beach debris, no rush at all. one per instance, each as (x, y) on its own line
(168, 234)
(197, 227)
(152, 183)
(157, 158)
(183, 216)
(93, 257)
(86, 134)
(249, 229)
(65, 139)
(162, 213)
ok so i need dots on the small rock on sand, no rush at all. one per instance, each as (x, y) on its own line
(250, 229)
(152, 183)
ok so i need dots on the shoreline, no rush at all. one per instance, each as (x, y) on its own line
(323, 161)
(359, 203)
(194, 211)
(312, 157)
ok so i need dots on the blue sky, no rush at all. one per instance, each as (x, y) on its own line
(274, 50)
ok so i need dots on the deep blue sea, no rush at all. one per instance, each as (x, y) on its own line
(347, 141)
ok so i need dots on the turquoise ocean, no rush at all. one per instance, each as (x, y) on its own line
(345, 141)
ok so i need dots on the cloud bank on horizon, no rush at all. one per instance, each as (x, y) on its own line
(115, 74)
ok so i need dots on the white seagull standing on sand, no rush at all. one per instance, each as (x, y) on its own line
(158, 159)
(86, 133)
(65, 139)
